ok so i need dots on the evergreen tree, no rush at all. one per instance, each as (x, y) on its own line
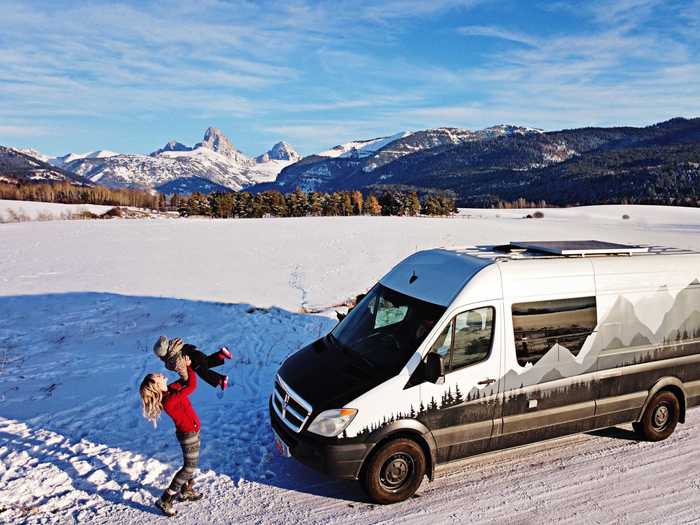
(458, 395)
(433, 404)
(315, 204)
(431, 206)
(413, 207)
(391, 203)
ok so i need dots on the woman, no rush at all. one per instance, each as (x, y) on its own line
(157, 396)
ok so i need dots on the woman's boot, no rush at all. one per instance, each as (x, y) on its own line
(165, 504)
(187, 492)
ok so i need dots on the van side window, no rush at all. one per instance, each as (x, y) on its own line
(473, 334)
(467, 339)
(539, 325)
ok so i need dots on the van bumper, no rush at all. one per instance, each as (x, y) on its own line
(340, 461)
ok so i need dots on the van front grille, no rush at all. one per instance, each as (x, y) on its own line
(289, 406)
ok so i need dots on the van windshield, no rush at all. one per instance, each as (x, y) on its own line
(386, 328)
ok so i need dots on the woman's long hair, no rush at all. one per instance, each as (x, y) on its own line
(151, 399)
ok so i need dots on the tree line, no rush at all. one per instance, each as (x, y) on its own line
(67, 193)
(243, 204)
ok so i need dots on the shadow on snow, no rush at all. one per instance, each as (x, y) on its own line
(71, 366)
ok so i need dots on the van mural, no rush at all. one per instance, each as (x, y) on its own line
(461, 352)
(578, 344)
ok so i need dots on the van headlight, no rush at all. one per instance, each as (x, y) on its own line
(330, 423)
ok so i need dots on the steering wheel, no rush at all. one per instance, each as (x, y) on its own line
(383, 337)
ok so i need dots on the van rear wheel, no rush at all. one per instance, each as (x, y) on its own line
(660, 417)
(394, 472)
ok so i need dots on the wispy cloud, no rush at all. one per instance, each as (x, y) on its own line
(21, 130)
(497, 32)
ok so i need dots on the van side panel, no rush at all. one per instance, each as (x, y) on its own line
(554, 396)
(649, 329)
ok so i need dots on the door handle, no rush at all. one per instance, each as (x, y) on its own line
(487, 381)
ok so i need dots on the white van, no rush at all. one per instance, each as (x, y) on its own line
(464, 351)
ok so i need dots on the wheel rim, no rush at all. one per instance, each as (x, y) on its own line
(661, 417)
(396, 472)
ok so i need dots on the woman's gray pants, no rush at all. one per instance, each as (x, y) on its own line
(189, 441)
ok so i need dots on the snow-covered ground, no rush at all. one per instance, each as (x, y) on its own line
(10, 210)
(81, 303)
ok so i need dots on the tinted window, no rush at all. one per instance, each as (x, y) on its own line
(467, 339)
(538, 326)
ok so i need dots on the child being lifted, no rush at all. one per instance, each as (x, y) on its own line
(174, 351)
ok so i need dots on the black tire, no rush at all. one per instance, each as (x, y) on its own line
(394, 472)
(660, 417)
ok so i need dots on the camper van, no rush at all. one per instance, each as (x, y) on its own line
(458, 352)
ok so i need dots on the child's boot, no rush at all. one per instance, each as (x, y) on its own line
(223, 383)
(224, 352)
(187, 493)
(165, 504)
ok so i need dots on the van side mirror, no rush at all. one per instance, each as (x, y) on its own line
(435, 368)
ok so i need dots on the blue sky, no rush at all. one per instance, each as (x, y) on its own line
(129, 76)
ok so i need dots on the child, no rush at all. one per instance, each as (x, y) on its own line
(173, 352)
(157, 396)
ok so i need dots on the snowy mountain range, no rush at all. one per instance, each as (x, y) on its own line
(215, 163)
(184, 168)
(356, 163)
(28, 166)
(659, 163)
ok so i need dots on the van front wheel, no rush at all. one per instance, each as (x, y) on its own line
(394, 472)
(660, 417)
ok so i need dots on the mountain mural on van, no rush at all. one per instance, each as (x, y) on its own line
(621, 329)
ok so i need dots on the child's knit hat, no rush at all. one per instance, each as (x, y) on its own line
(161, 346)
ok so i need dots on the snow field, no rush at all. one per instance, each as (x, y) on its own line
(32, 211)
(81, 303)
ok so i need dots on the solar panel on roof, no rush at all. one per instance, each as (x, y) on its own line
(579, 247)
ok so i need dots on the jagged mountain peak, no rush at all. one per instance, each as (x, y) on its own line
(215, 140)
(280, 151)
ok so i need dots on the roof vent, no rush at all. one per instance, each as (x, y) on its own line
(581, 248)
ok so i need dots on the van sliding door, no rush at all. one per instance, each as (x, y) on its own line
(460, 412)
(549, 386)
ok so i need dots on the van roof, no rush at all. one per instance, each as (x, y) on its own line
(563, 249)
(438, 275)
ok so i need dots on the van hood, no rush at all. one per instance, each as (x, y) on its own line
(328, 377)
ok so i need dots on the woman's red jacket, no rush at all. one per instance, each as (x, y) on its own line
(176, 404)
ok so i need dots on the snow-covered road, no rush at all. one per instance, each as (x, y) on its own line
(81, 303)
